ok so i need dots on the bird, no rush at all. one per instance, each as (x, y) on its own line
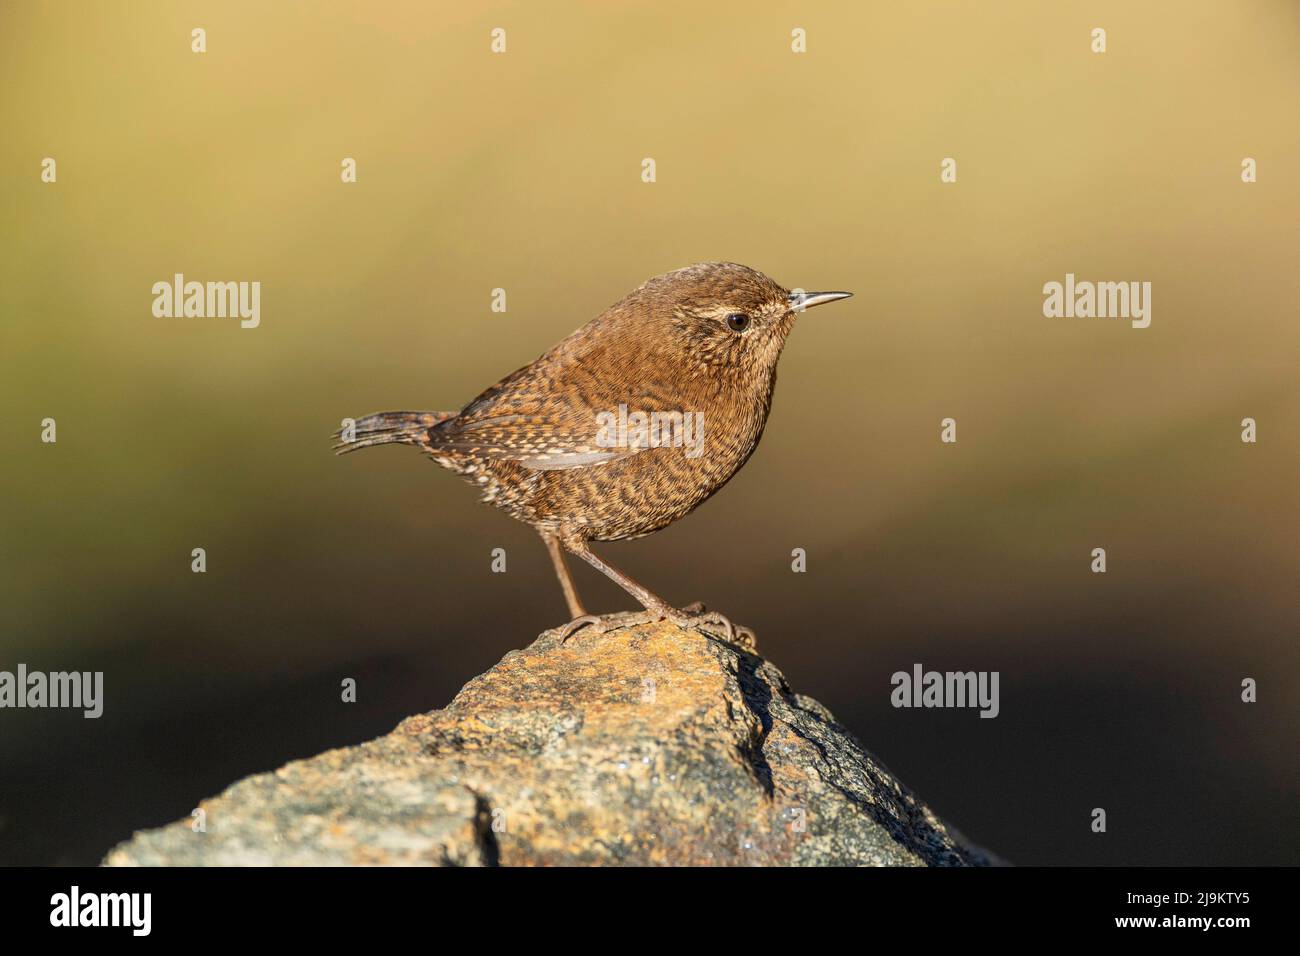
(624, 427)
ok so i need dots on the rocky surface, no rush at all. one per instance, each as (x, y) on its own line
(645, 745)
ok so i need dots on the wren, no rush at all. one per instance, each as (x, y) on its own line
(624, 427)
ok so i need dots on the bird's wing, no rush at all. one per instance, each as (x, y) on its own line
(534, 440)
(554, 414)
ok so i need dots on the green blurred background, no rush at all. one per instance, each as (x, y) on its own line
(522, 171)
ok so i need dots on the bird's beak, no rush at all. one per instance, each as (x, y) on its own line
(806, 300)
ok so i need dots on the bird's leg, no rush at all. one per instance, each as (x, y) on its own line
(571, 598)
(657, 609)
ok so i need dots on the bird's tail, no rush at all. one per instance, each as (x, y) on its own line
(383, 428)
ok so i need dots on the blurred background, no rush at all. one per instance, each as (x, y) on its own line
(522, 171)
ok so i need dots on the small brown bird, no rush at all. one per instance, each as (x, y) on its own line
(627, 425)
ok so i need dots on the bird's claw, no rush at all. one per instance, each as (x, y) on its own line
(735, 633)
(578, 623)
(603, 625)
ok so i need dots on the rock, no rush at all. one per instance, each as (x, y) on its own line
(644, 745)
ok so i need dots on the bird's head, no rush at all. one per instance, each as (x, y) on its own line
(725, 318)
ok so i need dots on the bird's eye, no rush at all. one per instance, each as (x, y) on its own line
(738, 321)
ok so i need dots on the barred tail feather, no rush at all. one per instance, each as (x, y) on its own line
(383, 428)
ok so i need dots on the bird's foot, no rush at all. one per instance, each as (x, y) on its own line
(688, 618)
(602, 625)
(734, 633)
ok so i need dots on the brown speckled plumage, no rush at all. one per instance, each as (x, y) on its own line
(531, 443)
